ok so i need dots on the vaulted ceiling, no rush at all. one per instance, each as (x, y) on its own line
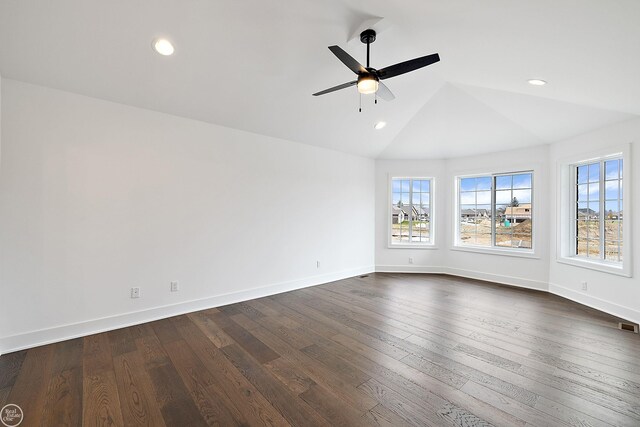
(253, 64)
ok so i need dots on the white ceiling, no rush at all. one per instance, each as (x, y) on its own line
(253, 64)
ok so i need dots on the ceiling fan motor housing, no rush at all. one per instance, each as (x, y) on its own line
(369, 78)
(368, 36)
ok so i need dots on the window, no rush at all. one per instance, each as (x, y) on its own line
(411, 214)
(598, 211)
(496, 211)
(591, 213)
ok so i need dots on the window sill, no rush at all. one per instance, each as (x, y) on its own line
(495, 251)
(411, 246)
(604, 267)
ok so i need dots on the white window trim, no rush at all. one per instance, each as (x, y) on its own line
(432, 232)
(566, 196)
(492, 250)
(495, 250)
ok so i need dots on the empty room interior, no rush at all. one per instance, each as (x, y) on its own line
(319, 213)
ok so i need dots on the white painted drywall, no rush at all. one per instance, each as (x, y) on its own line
(97, 197)
(529, 272)
(611, 293)
(615, 294)
(397, 259)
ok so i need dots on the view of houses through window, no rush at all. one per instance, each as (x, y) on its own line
(598, 214)
(410, 210)
(496, 210)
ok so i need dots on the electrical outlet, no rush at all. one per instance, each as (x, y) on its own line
(584, 286)
(410, 260)
(135, 292)
(175, 287)
(317, 264)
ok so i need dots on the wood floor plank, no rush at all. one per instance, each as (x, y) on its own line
(198, 381)
(10, 365)
(101, 401)
(63, 401)
(137, 398)
(381, 416)
(302, 318)
(318, 372)
(421, 415)
(372, 341)
(331, 408)
(245, 322)
(4, 396)
(165, 331)
(520, 410)
(211, 330)
(294, 378)
(347, 371)
(505, 382)
(151, 351)
(534, 369)
(384, 349)
(262, 306)
(249, 311)
(295, 410)
(238, 394)
(173, 398)
(252, 345)
(122, 341)
(30, 387)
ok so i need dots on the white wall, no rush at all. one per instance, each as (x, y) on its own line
(397, 259)
(615, 294)
(528, 272)
(611, 293)
(97, 197)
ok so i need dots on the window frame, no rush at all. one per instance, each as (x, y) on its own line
(567, 194)
(493, 248)
(431, 244)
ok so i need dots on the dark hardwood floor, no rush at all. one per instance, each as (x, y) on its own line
(388, 350)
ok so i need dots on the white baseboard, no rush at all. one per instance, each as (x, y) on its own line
(410, 269)
(590, 301)
(94, 326)
(597, 303)
(75, 330)
(499, 278)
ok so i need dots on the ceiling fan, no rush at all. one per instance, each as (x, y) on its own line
(369, 78)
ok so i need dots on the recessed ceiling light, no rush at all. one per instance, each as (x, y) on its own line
(537, 82)
(163, 47)
(379, 125)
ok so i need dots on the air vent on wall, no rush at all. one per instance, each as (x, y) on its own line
(631, 327)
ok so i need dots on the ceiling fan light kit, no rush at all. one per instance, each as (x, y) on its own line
(367, 84)
(369, 79)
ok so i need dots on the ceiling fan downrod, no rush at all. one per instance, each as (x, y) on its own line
(367, 37)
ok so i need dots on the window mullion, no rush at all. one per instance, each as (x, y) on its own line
(601, 204)
(574, 209)
(493, 211)
(458, 236)
(410, 211)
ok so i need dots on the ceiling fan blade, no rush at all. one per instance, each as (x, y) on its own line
(333, 89)
(384, 92)
(407, 66)
(348, 60)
